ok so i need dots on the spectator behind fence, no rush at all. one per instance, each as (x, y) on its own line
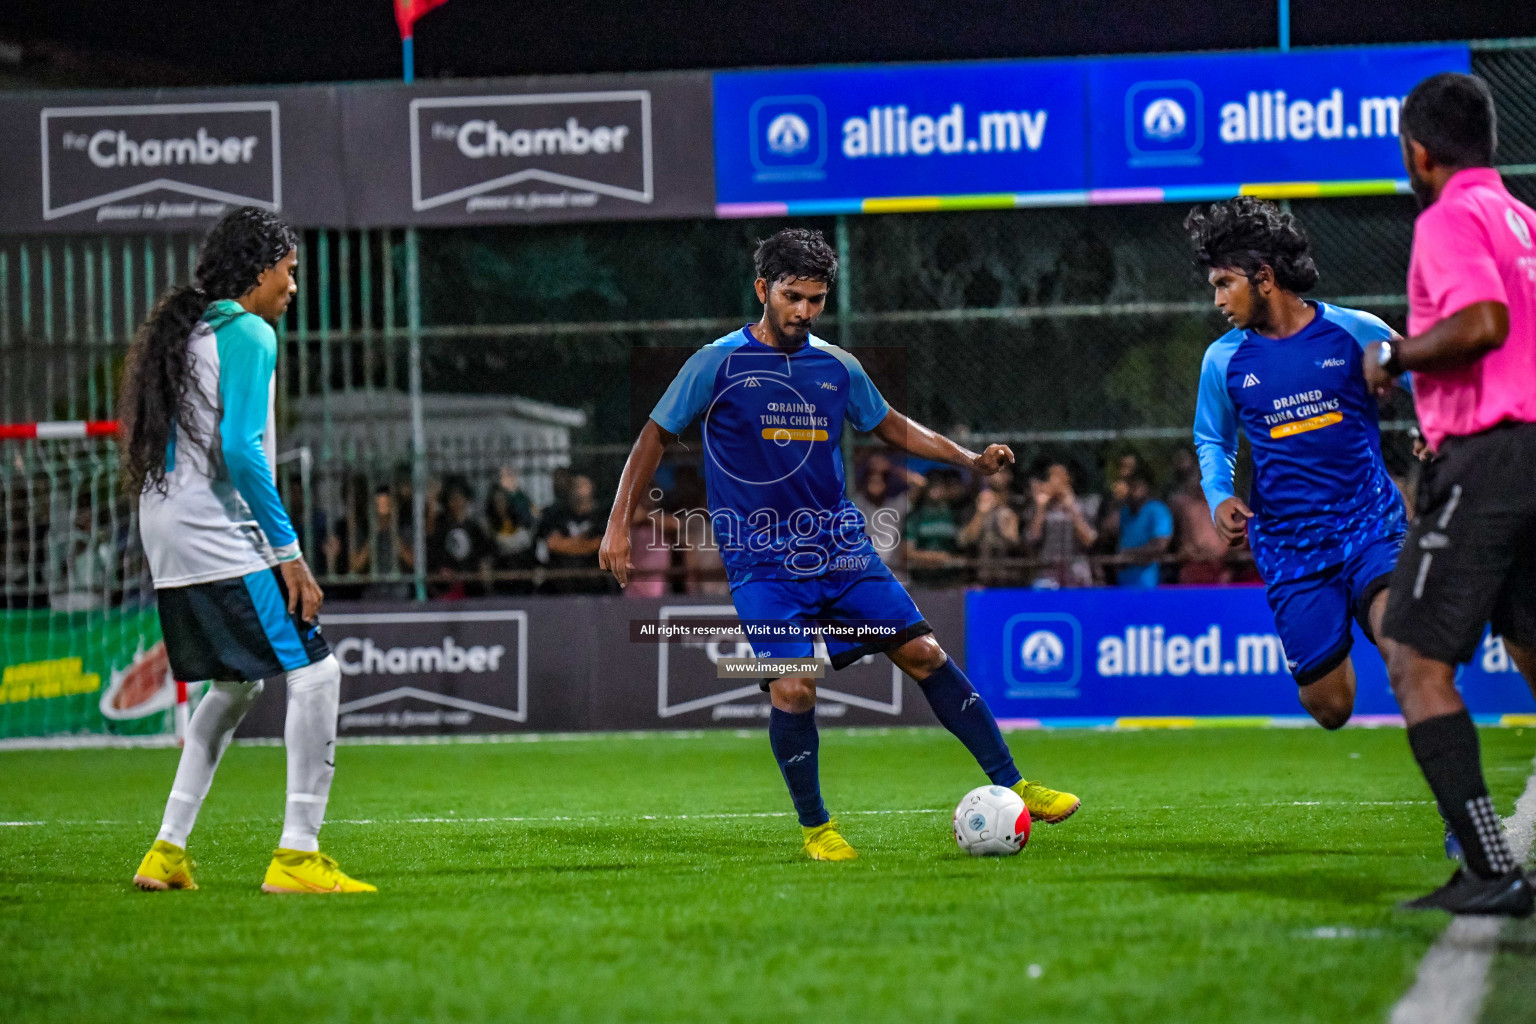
(651, 532)
(311, 525)
(510, 521)
(83, 557)
(403, 493)
(569, 533)
(991, 531)
(1146, 528)
(933, 531)
(345, 550)
(1061, 532)
(1127, 464)
(560, 484)
(884, 506)
(688, 502)
(1201, 551)
(458, 550)
(385, 553)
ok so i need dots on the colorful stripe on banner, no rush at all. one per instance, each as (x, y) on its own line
(1092, 197)
(1515, 721)
(57, 430)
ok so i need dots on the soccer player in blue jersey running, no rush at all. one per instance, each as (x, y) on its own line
(773, 399)
(1324, 518)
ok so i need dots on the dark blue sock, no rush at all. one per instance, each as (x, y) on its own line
(795, 743)
(963, 712)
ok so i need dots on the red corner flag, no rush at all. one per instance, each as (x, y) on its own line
(406, 14)
(407, 11)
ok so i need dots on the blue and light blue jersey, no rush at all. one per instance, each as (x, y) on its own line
(773, 465)
(219, 516)
(1320, 488)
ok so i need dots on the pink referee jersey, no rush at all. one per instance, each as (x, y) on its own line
(1476, 243)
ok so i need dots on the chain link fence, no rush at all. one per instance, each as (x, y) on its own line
(1074, 334)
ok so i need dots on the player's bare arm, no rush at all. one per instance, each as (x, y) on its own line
(1460, 339)
(912, 437)
(639, 468)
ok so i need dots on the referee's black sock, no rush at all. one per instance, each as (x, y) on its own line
(1448, 753)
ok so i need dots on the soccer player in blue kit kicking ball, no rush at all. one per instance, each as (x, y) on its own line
(1325, 520)
(773, 399)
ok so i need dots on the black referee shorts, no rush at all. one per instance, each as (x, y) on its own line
(1470, 556)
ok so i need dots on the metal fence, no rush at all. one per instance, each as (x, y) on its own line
(1073, 334)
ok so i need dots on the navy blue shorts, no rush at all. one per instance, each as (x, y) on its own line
(1312, 614)
(236, 630)
(874, 595)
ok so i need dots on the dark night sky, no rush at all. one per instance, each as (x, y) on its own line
(294, 41)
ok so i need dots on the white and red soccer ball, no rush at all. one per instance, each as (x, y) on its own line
(992, 821)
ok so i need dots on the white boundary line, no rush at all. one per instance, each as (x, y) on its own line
(1453, 976)
(727, 815)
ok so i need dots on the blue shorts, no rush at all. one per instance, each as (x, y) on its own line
(874, 595)
(1312, 614)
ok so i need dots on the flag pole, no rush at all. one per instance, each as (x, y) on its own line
(408, 56)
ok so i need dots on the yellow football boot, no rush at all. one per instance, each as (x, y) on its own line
(298, 871)
(1046, 805)
(165, 866)
(823, 843)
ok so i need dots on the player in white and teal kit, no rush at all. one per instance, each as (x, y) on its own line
(237, 602)
(773, 399)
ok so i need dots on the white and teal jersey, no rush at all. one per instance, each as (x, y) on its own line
(220, 516)
(773, 425)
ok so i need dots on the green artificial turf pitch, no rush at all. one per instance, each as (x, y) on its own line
(1212, 875)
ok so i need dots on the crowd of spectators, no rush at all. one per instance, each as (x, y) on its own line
(68, 546)
(479, 541)
(1042, 526)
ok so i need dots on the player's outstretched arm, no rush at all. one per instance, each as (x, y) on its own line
(912, 437)
(639, 468)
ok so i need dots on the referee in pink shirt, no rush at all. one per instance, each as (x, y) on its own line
(1470, 556)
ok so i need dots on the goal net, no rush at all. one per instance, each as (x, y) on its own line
(80, 647)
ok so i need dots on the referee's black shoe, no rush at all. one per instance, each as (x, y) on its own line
(1506, 895)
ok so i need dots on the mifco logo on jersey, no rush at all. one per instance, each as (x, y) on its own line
(1164, 123)
(585, 144)
(212, 155)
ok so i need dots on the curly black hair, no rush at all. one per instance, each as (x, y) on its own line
(795, 253)
(1248, 234)
(239, 248)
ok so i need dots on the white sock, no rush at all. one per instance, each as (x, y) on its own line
(208, 735)
(314, 693)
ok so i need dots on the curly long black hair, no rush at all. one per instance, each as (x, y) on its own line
(239, 248)
(1249, 233)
